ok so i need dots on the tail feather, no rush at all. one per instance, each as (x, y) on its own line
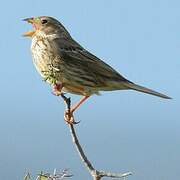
(145, 90)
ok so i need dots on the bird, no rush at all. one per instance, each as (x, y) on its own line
(69, 67)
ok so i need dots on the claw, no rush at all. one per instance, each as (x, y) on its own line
(56, 89)
(56, 93)
(69, 118)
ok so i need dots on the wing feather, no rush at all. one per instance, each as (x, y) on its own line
(78, 58)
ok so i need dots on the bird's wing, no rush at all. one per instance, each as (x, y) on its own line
(75, 55)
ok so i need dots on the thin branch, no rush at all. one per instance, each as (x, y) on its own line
(82, 155)
(96, 175)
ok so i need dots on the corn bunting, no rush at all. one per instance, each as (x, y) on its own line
(68, 67)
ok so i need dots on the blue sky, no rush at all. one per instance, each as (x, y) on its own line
(120, 131)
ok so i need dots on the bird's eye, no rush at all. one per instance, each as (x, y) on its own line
(44, 21)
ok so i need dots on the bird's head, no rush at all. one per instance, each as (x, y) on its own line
(46, 24)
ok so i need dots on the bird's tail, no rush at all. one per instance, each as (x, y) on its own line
(136, 87)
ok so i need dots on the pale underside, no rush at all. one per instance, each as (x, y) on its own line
(55, 68)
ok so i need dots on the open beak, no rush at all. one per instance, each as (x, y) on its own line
(31, 32)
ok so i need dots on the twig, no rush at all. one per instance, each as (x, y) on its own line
(54, 176)
(27, 176)
(96, 175)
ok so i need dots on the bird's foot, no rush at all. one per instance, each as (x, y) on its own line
(56, 89)
(69, 118)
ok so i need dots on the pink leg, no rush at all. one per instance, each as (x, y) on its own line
(78, 103)
(56, 89)
(68, 116)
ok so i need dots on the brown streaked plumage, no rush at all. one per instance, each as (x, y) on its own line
(68, 67)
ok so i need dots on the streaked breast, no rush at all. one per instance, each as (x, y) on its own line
(42, 53)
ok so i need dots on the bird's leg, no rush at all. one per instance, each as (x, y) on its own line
(56, 88)
(68, 116)
(75, 106)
